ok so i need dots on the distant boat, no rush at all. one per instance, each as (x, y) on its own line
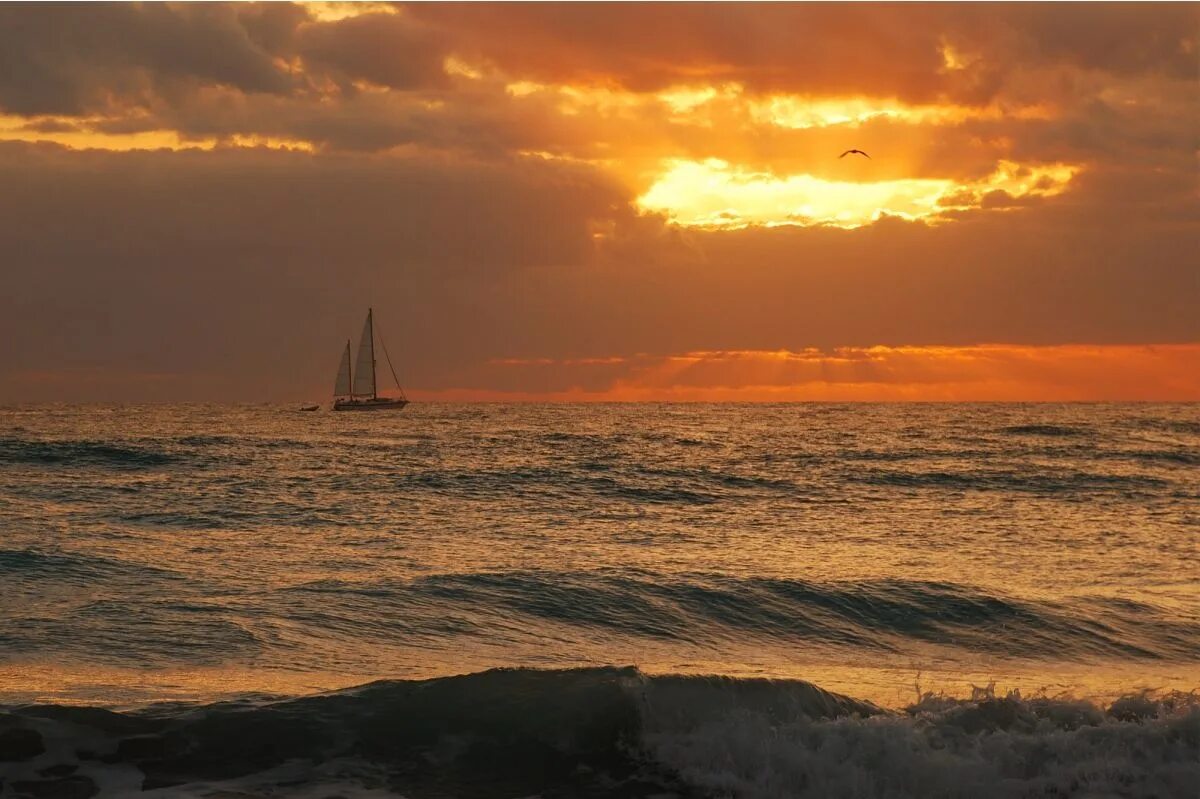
(355, 388)
(309, 407)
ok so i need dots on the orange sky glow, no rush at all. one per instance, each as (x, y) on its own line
(986, 373)
(535, 196)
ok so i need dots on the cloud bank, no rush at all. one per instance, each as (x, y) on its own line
(201, 199)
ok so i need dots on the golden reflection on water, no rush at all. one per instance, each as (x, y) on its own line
(191, 554)
(893, 687)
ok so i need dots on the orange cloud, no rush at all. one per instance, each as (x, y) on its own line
(651, 96)
(981, 373)
(88, 134)
(715, 195)
(550, 180)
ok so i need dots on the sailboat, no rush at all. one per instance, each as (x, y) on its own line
(355, 388)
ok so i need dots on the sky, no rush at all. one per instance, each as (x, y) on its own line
(576, 201)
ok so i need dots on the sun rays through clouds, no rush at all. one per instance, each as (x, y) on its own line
(578, 183)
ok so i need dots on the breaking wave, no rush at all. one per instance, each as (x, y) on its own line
(606, 732)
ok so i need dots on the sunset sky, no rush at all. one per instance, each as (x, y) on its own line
(601, 201)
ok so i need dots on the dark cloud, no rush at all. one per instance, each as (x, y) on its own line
(241, 261)
(71, 59)
(384, 49)
(102, 58)
(218, 70)
(87, 58)
(273, 27)
(234, 273)
(818, 48)
(883, 49)
(1124, 38)
(484, 122)
(51, 125)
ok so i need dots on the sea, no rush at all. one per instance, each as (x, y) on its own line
(600, 600)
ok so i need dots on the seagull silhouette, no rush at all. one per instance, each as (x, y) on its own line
(860, 152)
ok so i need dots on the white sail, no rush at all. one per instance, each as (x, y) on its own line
(364, 364)
(341, 386)
(356, 388)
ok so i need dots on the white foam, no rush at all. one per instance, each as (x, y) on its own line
(989, 749)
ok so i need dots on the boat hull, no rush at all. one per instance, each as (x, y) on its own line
(380, 404)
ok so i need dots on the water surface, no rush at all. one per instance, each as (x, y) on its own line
(201, 554)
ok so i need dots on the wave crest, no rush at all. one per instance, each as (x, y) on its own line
(612, 731)
(715, 609)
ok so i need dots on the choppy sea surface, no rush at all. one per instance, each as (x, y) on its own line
(600, 600)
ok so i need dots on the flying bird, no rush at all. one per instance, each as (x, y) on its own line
(860, 152)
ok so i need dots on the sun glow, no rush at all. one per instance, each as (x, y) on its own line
(979, 372)
(267, 142)
(335, 11)
(697, 104)
(788, 111)
(77, 135)
(796, 112)
(452, 65)
(954, 59)
(715, 194)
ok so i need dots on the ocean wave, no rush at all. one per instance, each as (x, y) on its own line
(211, 440)
(717, 478)
(1054, 430)
(717, 609)
(1182, 457)
(605, 440)
(1065, 485)
(80, 607)
(986, 746)
(91, 609)
(82, 453)
(612, 732)
(589, 481)
(46, 568)
(601, 479)
(1168, 425)
(119, 632)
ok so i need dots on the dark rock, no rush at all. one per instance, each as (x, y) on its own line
(149, 747)
(20, 744)
(97, 718)
(153, 783)
(58, 770)
(75, 787)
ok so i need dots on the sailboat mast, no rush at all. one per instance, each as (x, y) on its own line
(357, 384)
(371, 334)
